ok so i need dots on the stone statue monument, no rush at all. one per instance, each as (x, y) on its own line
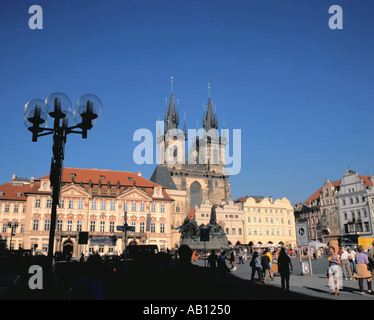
(190, 234)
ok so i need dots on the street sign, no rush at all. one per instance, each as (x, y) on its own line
(204, 234)
(83, 237)
(302, 234)
(126, 228)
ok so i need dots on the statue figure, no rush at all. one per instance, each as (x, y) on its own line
(213, 216)
(189, 229)
(216, 230)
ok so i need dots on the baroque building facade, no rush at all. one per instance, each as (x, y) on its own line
(267, 221)
(92, 201)
(340, 210)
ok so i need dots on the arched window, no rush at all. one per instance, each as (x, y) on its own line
(195, 195)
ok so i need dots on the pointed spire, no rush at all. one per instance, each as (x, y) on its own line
(172, 115)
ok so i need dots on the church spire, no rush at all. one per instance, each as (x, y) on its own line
(209, 120)
(172, 116)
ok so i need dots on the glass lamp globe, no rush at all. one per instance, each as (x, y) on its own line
(58, 105)
(89, 108)
(35, 114)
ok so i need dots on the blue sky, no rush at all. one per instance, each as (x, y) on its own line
(301, 93)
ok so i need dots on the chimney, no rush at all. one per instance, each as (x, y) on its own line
(139, 174)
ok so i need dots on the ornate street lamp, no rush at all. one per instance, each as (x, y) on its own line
(13, 226)
(58, 106)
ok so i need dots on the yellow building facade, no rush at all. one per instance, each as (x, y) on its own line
(269, 221)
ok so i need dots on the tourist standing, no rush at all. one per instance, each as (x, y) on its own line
(352, 259)
(362, 270)
(256, 266)
(265, 262)
(284, 268)
(345, 264)
(334, 272)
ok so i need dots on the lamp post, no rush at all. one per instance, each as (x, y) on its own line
(58, 106)
(13, 226)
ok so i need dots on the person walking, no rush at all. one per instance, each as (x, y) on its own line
(334, 272)
(362, 270)
(256, 267)
(212, 261)
(345, 264)
(232, 259)
(240, 256)
(265, 262)
(284, 268)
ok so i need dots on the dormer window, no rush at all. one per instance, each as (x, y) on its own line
(19, 194)
(1, 194)
(102, 177)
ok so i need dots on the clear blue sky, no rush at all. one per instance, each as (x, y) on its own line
(302, 94)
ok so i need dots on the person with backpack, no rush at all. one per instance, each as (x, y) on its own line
(256, 266)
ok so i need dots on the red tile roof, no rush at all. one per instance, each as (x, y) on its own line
(13, 192)
(365, 180)
(126, 179)
(192, 214)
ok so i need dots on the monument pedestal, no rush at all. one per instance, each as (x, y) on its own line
(213, 243)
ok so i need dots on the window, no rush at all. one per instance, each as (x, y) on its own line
(162, 227)
(35, 225)
(15, 209)
(112, 206)
(6, 208)
(93, 205)
(240, 231)
(62, 204)
(22, 228)
(92, 225)
(133, 206)
(69, 225)
(24, 209)
(59, 225)
(249, 231)
(71, 204)
(5, 226)
(103, 205)
(142, 207)
(48, 203)
(141, 227)
(153, 207)
(37, 203)
(47, 224)
(79, 225)
(80, 204)
(153, 227)
(249, 219)
(125, 206)
(102, 226)
(111, 226)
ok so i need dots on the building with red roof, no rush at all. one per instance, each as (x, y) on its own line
(92, 201)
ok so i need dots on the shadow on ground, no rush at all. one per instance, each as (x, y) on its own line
(142, 281)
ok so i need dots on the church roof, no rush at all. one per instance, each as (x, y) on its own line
(162, 176)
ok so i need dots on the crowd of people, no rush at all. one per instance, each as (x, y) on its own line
(354, 264)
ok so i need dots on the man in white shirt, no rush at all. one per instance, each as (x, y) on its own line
(345, 264)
